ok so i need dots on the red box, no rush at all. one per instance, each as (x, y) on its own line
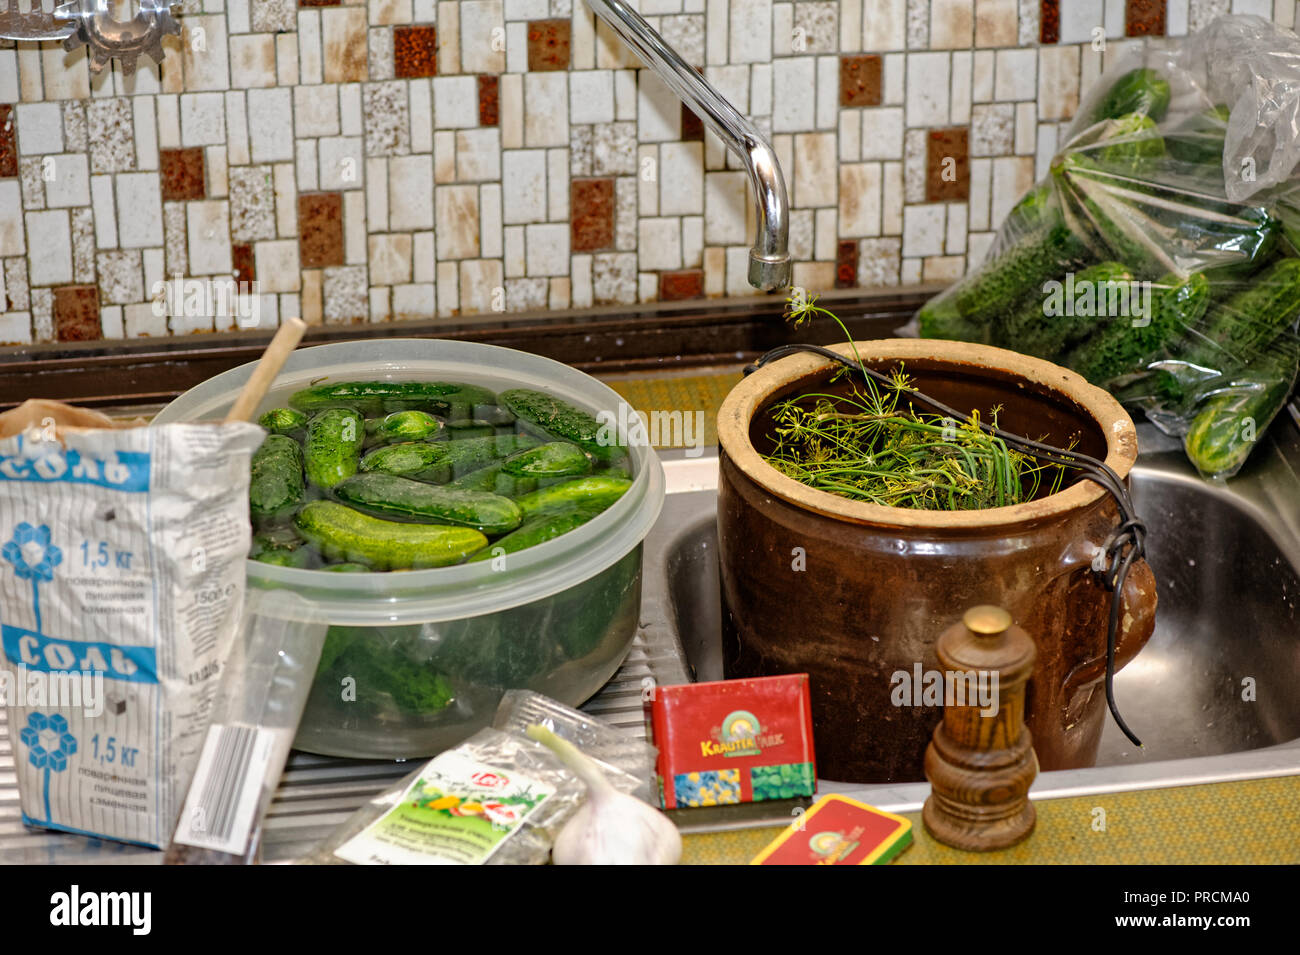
(733, 741)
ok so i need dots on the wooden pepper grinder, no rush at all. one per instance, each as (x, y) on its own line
(981, 764)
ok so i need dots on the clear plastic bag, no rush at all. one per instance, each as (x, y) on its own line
(545, 795)
(1160, 255)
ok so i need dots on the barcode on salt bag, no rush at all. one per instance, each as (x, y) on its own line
(219, 811)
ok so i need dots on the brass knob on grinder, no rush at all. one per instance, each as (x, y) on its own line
(980, 761)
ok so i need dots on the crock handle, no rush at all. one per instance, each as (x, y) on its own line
(1137, 621)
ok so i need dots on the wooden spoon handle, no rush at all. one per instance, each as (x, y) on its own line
(268, 366)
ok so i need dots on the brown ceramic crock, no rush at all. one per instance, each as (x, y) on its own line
(854, 593)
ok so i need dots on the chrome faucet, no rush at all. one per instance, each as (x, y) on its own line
(769, 258)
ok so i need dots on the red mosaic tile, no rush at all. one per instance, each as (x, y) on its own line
(692, 126)
(846, 264)
(415, 51)
(591, 214)
(680, 285)
(8, 146)
(181, 171)
(76, 313)
(548, 45)
(1049, 21)
(241, 262)
(860, 80)
(1144, 18)
(489, 101)
(947, 165)
(319, 3)
(320, 229)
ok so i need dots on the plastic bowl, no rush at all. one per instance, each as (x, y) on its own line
(558, 618)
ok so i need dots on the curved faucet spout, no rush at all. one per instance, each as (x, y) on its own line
(769, 258)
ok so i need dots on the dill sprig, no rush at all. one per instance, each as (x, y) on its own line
(868, 445)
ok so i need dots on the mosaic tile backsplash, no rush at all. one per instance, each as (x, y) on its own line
(398, 159)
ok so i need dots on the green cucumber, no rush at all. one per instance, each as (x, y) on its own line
(553, 459)
(1144, 91)
(283, 421)
(386, 495)
(441, 461)
(341, 533)
(1198, 139)
(334, 439)
(1020, 270)
(448, 399)
(349, 568)
(403, 426)
(542, 527)
(1085, 301)
(275, 484)
(940, 318)
(300, 558)
(466, 428)
(1228, 425)
(1237, 333)
(595, 490)
(561, 421)
(279, 538)
(1119, 347)
(1131, 141)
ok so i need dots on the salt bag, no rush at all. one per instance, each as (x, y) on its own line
(121, 585)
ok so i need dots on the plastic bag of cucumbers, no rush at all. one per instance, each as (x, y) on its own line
(1160, 255)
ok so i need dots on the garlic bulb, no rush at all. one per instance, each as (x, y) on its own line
(611, 827)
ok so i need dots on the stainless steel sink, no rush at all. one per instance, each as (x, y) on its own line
(1227, 563)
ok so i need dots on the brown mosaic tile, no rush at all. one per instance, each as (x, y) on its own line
(320, 229)
(846, 264)
(1049, 21)
(861, 82)
(548, 45)
(76, 313)
(8, 147)
(681, 285)
(241, 262)
(319, 3)
(489, 101)
(181, 171)
(1144, 18)
(415, 51)
(947, 165)
(591, 214)
(692, 126)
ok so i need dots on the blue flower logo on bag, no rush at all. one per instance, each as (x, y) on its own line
(49, 744)
(34, 558)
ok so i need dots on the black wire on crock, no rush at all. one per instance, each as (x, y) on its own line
(1121, 550)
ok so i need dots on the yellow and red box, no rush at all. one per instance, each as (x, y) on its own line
(839, 831)
(733, 741)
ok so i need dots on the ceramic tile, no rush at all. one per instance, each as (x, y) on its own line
(947, 174)
(344, 44)
(252, 203)
(613, 278)
(387, 119)
(482, 31)
(175, 255)
(455, 102)
(860, 199)
(8, 142)
(415, 51)
(523, 173)
(320, 229)
(49, 232)
(67, 180)
(139, 210)
(270, 125)
(1145, 18)
(457, 222)
(83, 246)
(182, 174)
(121, 278)
(488, 103)
(345, 295)
(548, 45)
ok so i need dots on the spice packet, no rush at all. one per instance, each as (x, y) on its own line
(264, 690)
(121, 583)
(733, 741)
(496, 799)
(838, 830)
(628, 763)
